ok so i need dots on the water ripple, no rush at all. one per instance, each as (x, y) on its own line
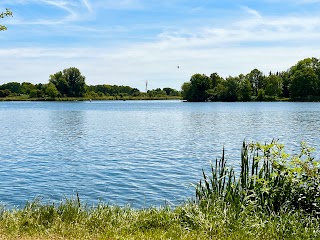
(135, 152)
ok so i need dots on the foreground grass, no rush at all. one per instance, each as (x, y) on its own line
(204, 220)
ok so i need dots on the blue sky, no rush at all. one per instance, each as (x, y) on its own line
(128, 42)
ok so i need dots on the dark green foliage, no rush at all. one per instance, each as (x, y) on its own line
(27, 87)
(232, 87)
(113, 90)
(273, 85)
(196, 89)
(304, 83)
(68, 83)
(171, 92)
(245, 90)
(4, 93)
(13, 87)
(261, 95)
(60, 82)
(256, 79)
(75, 81)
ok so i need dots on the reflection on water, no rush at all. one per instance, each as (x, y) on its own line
(135, 152)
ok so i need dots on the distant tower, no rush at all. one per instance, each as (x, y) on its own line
(146, 86)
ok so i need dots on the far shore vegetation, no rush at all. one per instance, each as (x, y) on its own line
(301, 82)
(274, 195)
(69, 85)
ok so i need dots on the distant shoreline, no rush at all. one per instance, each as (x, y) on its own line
(74, 99)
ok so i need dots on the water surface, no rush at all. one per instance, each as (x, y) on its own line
(141, 153)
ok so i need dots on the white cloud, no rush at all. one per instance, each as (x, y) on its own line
(251, 11)
(73, 10)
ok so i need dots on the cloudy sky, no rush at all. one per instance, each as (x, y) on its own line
(128, 42)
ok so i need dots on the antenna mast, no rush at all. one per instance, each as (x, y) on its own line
(146, 86)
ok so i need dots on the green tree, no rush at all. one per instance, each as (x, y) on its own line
(245, 89)
(26, 87)
(304, 78)
(273, 85)
(196, 89)
(76, 82)
(7, 13)
(185, 90)
(256, 79)
(219, 92)
(304, 83)
(60, 82)
(52, 91)
(285, 79)
(232, 88)
(13, 87)
(35, 93)
(215, 79)
(261, 95)
(4, 93)
(69, 82)
(171, 92)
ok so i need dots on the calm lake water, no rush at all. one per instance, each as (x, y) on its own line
(142, 153)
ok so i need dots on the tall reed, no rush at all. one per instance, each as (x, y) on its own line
(270, 180)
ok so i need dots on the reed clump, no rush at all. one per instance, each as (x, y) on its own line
(270, 180)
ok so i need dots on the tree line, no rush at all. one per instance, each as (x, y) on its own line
(70, 83)
(300, 82)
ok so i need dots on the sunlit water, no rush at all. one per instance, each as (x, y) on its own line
(142, 153)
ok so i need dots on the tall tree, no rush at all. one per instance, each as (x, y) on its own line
(69, 82)
(304, 83)
(196, 89)
(305, 78)
(232, 88)
(256, 79)
(245, 89)
(59, 81)
(215, 79)
(185, 90)
(273, 85)
(7, 13)
(76, 82)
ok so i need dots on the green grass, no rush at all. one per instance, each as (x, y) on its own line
(275, 196)
(189, 221)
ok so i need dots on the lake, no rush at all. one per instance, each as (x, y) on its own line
(141, 153)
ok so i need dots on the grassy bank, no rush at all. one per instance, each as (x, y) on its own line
(275, 196)
(190, 221)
